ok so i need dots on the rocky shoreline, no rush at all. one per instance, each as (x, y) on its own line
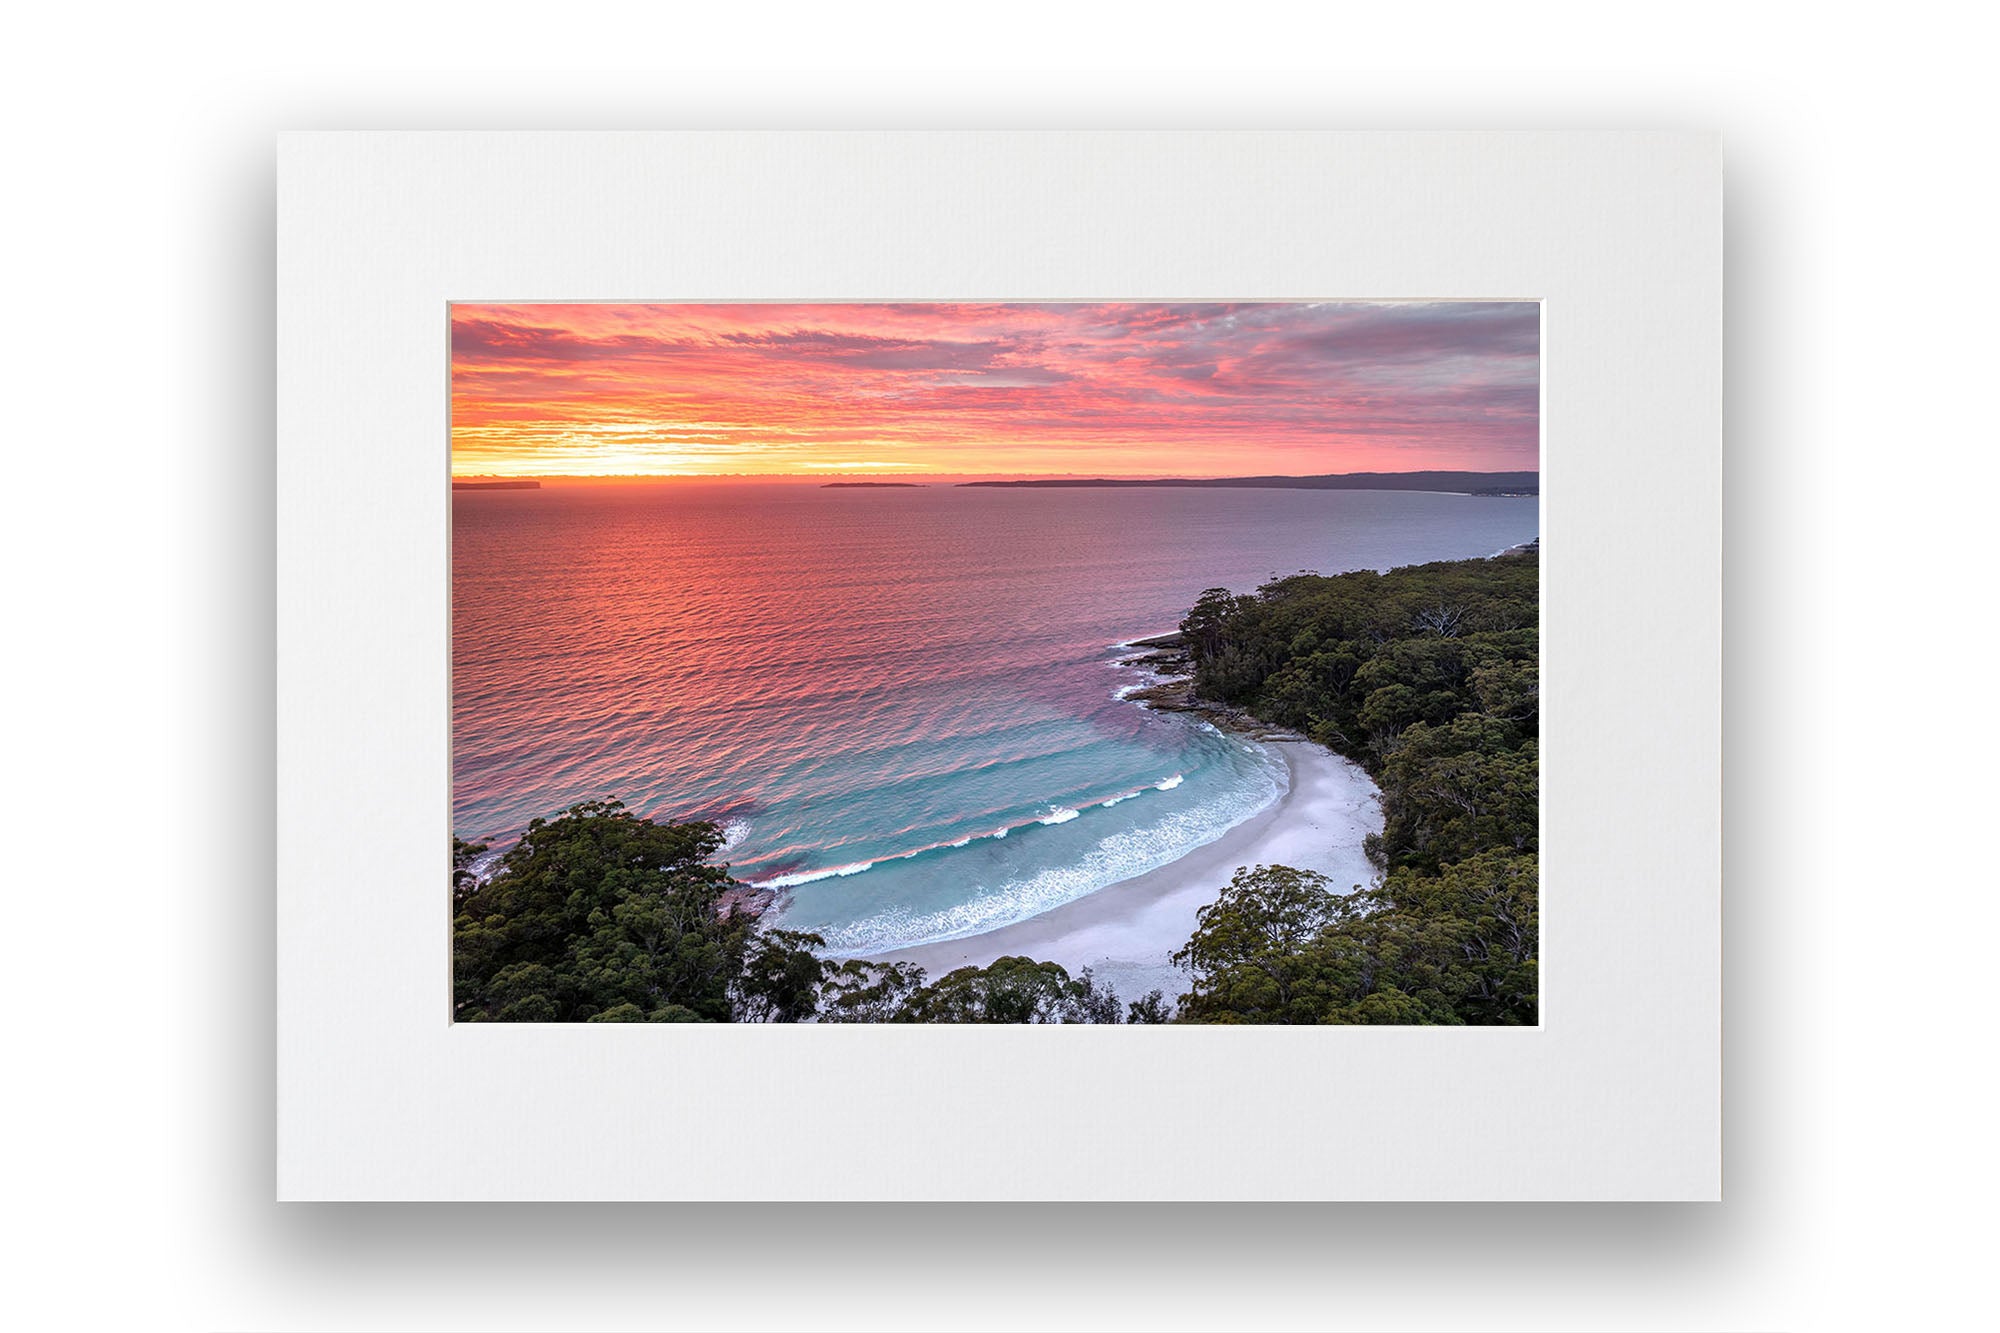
(1167, 656)
(748, 900)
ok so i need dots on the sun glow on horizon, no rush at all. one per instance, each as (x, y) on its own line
(993, 390)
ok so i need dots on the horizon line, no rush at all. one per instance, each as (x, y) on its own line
(922, 476)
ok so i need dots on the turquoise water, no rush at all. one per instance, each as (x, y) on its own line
(902, 704)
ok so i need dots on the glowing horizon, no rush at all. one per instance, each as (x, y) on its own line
(964, 389)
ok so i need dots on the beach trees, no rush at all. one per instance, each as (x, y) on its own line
(1446, 796)
(1011, 990)
(1468, 937)
(1280, 946)
(1308, 651)
(859, 991)
(1091, 1001)
(780, 978)
(1249, 957)
(1203, 628)
(1152, 1007)
(1224, 665)
(595, 909)
(1427, 676)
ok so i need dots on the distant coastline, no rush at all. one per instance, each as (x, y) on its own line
(1498, 484)
(1465, 483)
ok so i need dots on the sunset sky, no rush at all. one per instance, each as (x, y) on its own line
(971, 389)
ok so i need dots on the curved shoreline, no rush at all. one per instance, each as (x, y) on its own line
(1126, 931)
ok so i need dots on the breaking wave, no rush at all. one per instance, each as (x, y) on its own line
(1119, 855)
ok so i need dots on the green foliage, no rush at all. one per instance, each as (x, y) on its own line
(595, 910)
(858, 991)
(1249, 955)
(1354, 660)
(781, 976)
(1465, 938)
(1011, 990)
(1449, 793)
(1428, 676)
(1281, 946)
(1092, 1001)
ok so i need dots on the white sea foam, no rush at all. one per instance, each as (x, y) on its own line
(487, 864)
(1115, 857)
(734, 831)
(1057, 814)
(1147, 676)
(810, 876)
(1119, 856)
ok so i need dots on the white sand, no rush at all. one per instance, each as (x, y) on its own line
(1126, 931)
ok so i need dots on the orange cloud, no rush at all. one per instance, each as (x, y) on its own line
(1127, 389)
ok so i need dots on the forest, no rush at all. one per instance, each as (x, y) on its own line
(600, 916)
(1427, 676)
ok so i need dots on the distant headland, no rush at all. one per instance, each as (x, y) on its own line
(1467, 483)
(496, 485)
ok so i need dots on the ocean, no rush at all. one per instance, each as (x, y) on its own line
(903, 705)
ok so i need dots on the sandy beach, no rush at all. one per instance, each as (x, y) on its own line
(1126, 931)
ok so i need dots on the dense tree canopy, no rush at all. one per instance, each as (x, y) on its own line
(1012, 990)
(1428, 677)
(1282, 946)
(599, 912)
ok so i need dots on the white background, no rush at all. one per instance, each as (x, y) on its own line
(1614, 1098)
(138, 547)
